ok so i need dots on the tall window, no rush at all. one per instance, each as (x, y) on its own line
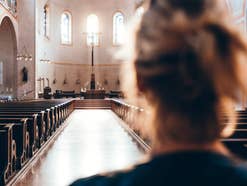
(12, 5)
(66, 28)
(118, 28)
(9, 2)
(46, 19)
(236, 7)
(1, 72)
(92, 30)
(139, 11)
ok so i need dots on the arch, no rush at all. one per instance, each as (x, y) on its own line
(8, 53)
(12, 19)
(118, 28)
(92, 30)
(66, 28)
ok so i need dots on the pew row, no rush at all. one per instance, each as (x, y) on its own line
(136, 118)
(8, 157)
(25, 127)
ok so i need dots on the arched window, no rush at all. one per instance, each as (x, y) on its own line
(118, 28)
(9, 2)
(140, 11)
(46, 21)
(66, 27)
(92, 30)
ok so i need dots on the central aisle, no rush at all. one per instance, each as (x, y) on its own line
(93, 142)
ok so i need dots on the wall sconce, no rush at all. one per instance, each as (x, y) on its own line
(24, 55)
(118, 82)
(65, 81)
(45, 60)
(78, 82)
(54, 81)
(105, 82)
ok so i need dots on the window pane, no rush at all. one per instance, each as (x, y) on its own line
(118, 28)
(92, 30)
(66, 28)
(139, 12)
(46, 21)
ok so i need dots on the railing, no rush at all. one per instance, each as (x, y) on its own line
(10, 5)
(135, 117)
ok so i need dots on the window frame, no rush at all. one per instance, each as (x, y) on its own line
(139, 11)
(70, 43)
(114, 43)
(46, 21)
(96, 34)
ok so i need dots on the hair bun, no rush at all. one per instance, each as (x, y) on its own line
(190, 7)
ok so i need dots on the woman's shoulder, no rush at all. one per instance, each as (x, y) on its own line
(175, 169)
(123, 177)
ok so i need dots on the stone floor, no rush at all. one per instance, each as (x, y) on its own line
(93, 142)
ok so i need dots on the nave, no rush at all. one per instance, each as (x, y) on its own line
(93, 141)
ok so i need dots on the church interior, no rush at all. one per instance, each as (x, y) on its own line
(64, 113)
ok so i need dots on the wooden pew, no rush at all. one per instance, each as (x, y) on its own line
(32, 147)
(63, 108)
(57, 115)
(8, 153)
(237, 143)
(59, 111)
(67, 94)
(33, 128)
(49, 116)
(41, 121)
(49, 122)
(21, 137)
(32, 124)
(45, 115)
(53, 116)
(65, 105)
(236, 146)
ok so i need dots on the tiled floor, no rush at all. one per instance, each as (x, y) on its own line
(93, 142)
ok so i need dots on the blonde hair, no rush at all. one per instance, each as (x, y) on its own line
(186, 63)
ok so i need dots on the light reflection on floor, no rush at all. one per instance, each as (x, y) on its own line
(93, 142)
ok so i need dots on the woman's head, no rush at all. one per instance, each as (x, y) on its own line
(186, 64)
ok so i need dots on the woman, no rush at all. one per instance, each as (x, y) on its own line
(188, 66)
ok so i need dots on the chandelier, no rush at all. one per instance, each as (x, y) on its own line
(24, 55)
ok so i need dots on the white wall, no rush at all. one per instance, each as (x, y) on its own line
(79, 54)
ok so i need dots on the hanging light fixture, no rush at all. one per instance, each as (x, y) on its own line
(24, 55)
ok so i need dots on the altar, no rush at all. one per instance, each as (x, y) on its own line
(94, 94)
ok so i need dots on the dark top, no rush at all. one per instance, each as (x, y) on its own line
(176, 169)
